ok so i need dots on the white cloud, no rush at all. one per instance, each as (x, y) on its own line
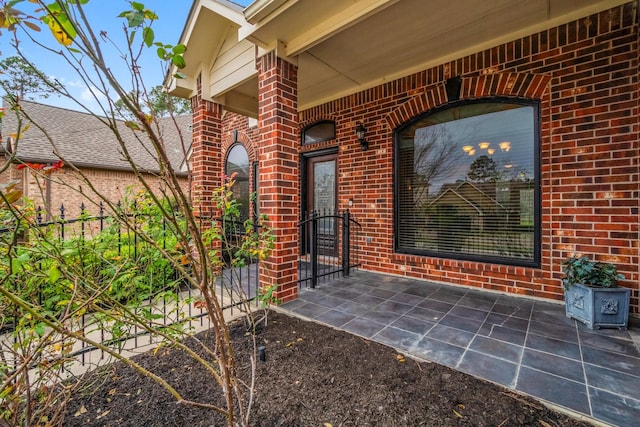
(90, 94)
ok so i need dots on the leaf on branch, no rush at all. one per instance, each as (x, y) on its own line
(54, 274)
(178, 61)
(32, 26)
(60, 26)
(179, 49)
(132, 125)
(39, 329)
(148, 36)
(134, 18)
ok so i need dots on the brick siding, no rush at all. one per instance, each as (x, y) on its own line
(68, 188)
(585, 75)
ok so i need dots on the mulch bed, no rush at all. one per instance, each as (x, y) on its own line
(312, 375)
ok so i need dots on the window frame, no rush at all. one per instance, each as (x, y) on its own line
(249, 171)
(535, 261)
(314, 124)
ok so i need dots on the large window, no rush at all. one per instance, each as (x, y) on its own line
(237, 165)
(466, 179)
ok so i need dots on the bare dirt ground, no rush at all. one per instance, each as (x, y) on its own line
(312, 375)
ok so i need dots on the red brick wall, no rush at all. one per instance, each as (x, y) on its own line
(279, 181)
(206, 160)
(585, 74)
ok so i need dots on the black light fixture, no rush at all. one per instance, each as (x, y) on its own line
(360, 132)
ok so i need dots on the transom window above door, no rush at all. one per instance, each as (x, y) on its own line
(324, 130)
(466, 180)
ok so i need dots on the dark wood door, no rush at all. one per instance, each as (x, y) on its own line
(321, 198)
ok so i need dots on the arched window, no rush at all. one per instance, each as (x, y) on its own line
(466, 180)
(324, 130)
(238, 163)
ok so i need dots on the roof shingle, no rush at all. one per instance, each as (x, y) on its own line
(86, 141)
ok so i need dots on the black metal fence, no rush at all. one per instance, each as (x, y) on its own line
(330, 247)
(235, 285)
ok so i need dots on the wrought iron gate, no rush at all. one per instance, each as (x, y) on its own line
(330, 246)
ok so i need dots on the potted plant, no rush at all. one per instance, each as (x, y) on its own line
(591, 294)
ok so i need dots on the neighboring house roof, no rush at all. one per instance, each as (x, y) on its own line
(472, 196)
(343, 47)
(85, 141)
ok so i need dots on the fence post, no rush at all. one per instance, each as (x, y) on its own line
(313, 250)
(346, 242)
(82, 220)
(101, 213)
(62, 221)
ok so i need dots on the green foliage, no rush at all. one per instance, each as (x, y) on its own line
(158, 103)
(582, 270)
(21, 79)
(114, 263)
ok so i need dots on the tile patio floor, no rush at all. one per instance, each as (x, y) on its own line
(523, 344)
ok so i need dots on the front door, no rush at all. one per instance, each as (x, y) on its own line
(321, 197)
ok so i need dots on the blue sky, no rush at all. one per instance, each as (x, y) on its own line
(172, 16)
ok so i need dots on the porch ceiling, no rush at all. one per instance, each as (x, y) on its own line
(342, 47)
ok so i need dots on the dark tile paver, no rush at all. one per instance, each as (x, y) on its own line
(468, 313)
(613, 381)
(559, 332)
(516, 323)
(613, 360)
(605, 341)
(394, 307)
(440, 306)
(310, 310)
(414, 325)
(335, 318)
(382, 293)
(438, 351)
(614, 409)
(425, 314)
(448, 295)
(462, 323)
(407, 298)
(553, 346)
(397, 338)
(363, 327)
(567, 393)
(346, 294)
(488, 367)
(553, 364)
(503, 334)
(352, 307)
(380, 316)
(450, 335)
(495, 348)
(473, 301)
(523, 312)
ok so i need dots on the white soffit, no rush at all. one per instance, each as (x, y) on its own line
(346, 46)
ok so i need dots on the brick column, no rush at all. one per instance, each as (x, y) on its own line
(278, 170)
(206, 158)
